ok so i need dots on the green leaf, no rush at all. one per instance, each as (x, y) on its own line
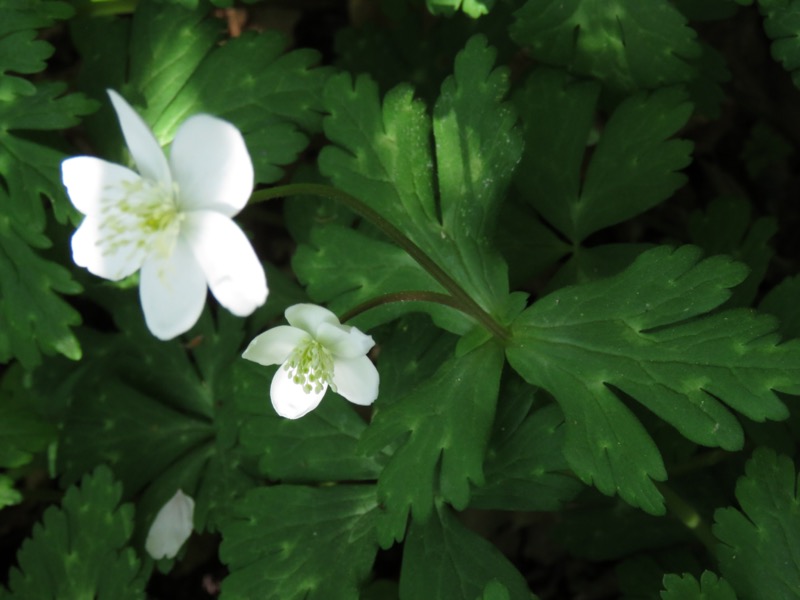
(626, 44)
(632, 168)
(344, 268)
(641, 334)
(446, 421)
(178, 68)
(444, 560)
(758, 549)
(9, 495)
(726, 227)
(288, 542)
(781, 23)
(33, 317)
(19, 20)
(142, 407)
(474, 8)
(526, 471)
(781, 301)
(686, 587)
(79, 550)
(383, 157)
(23, 432)
(764, 148)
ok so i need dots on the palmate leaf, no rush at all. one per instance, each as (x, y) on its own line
(33, 317)
(525, 471)
(178, 68)
(642, 334)
(442, 559)
(781, 23)
(383, 157)
(633, 167)
(759, 551)
(686, 587)
(626, 44)
(159, 417)
(79, 550)
(345, 268)
(447, 420)
(294, 542)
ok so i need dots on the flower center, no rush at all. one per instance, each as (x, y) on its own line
(140, 217)
(311, 366)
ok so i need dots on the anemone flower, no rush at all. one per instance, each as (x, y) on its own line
(171, 220)
(315, 352)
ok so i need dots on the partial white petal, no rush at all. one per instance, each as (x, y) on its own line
(291, 400)
(171, 527)
(172, 291)
(230, 264)
(356, 379)
(211, 165)
(344, 341)
(145, 150)
(309, 317)
(274, 346)
(112, 261)
(92, 182)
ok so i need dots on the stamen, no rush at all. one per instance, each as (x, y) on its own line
(146, 220)
(311, 366)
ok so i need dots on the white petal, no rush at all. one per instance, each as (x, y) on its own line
(172, 291)
(115, 262)
(344, 341)
(273, 347)
(145, 150)
(230, 264)
(92, 182)
(291, 400)
(356, 379)
(309, 317)
(211, 165)
(171, 527)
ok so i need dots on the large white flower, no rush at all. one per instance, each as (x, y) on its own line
(171, 527)
(315, 351)
(172, 220)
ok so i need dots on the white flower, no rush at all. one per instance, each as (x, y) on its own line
(171, 527)
(315, 351)
(172, 220)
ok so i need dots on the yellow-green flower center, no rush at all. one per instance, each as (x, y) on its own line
(145, 219)
(311, 366)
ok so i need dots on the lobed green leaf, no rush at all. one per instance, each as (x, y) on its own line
(445, 422)
(640, 334)
(382, 155)
(626, 44)
(293, 542)
(80, 550)
(442, 559)
(686, 587)
(633, 167)
(759, 545)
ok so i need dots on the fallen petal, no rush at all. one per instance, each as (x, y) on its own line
(171, 527)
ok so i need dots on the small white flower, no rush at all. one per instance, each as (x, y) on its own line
(171, 527)
(315, 351)
(172, 220)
